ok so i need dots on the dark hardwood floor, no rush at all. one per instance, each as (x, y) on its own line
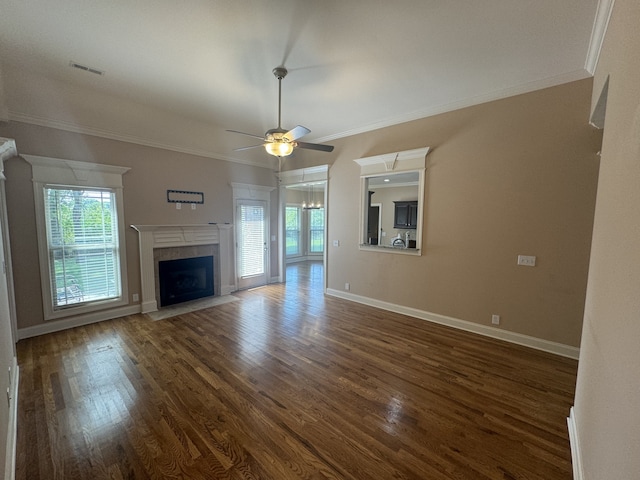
(289, 384)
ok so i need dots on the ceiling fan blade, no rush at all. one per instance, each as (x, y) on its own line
(315, 146)
(296, 133)
(248, 148)
(247, 134)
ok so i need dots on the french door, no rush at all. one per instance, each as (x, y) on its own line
(252, 246)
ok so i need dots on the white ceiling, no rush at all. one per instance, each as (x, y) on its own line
(177, 74)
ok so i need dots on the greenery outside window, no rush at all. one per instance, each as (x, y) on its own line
(82, 241)
(293, 231)
(80, 226)
(316, 230)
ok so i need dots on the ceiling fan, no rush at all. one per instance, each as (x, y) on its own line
(278, 141)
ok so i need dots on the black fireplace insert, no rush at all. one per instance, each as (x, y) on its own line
(185, 279)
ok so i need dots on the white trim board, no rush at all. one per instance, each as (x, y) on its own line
(576, 458)
(598, 32)
(79, 321)
(487, 331)
(12, 430)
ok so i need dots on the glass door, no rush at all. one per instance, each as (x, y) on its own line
(252, 246)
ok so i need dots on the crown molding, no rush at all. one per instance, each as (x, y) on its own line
(7, 148)
(97, 132)
(388, 122)
(600, 24)
(464, 103)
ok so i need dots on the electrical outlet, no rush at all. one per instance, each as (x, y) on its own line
(495, 319)
(193, 206)
(527, 260)
(336, 243)
(347, 286)
(136, 297)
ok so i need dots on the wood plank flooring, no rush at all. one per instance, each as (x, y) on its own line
(289, 384)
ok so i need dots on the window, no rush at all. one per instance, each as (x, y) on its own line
(82, 245)
(316, 230)
(293, 230)
(251, 236)
(80, 226)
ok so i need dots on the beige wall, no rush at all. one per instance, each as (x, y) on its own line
(607, 403)
(153, 171)
(515, 176)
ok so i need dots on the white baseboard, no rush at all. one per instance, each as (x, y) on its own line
(576, 459)
(305, 258)
(12, 430)
(517, 338)
(149, 306)
(93, 317)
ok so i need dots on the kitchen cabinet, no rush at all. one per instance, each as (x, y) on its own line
(405, 214)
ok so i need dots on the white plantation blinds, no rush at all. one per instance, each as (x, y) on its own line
(82, 244)
(252, 231)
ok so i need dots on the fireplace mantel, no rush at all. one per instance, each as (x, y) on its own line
(162, 236)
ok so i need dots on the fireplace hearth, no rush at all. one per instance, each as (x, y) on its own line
(185, 279)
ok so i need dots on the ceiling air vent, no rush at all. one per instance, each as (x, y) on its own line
(85, 68)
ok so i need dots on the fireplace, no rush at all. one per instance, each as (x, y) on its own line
(185, 279)
(160, 243)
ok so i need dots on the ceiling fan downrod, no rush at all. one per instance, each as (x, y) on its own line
(280, 73)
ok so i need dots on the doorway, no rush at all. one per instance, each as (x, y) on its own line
(252, 247)
(303, 213)
(374, 227)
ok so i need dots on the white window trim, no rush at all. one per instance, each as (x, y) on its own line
(59, 172)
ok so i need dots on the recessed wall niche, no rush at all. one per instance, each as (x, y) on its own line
(392, 201)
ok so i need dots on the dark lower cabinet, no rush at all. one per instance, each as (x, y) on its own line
(405, 214)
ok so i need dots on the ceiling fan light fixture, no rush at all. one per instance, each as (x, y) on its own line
(279, 148)
(278, 141)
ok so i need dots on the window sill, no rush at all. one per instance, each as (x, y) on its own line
(73, 311)
(389, 249)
